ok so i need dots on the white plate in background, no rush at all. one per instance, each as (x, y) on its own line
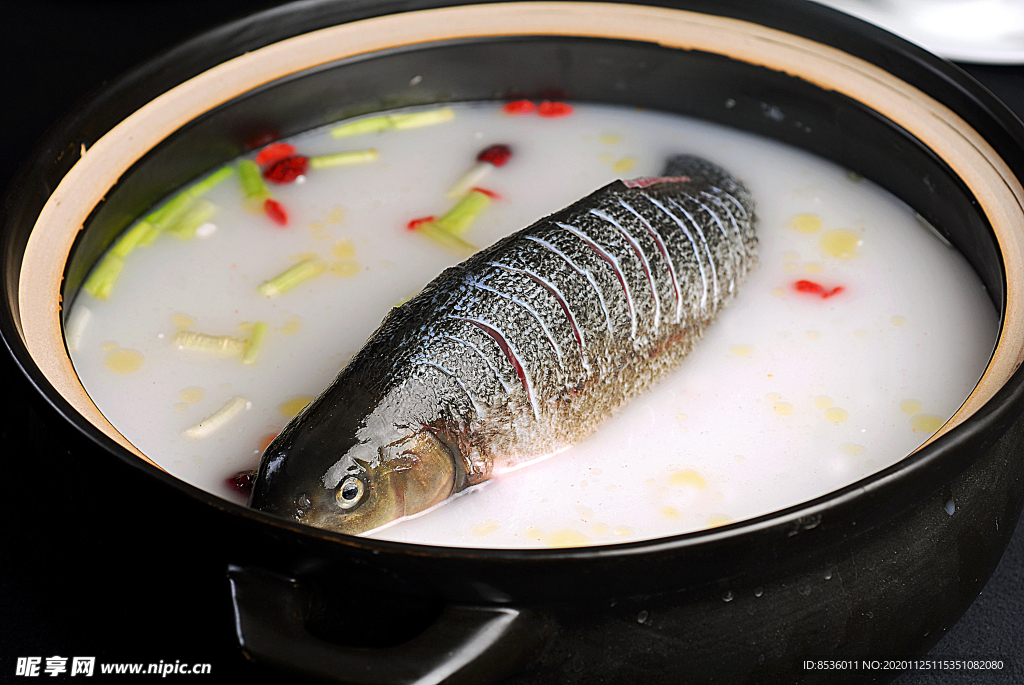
(977, 31)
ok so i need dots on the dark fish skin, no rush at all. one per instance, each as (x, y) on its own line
(518, 352)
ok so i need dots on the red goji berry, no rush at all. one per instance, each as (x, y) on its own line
(817, 289)
(286, 170)
(519, 107)
(809, 287)
(276, 212)
(242, 481)
(554, 109)
(416, 223)
(274, 153)
(489, 193)
(496, 155)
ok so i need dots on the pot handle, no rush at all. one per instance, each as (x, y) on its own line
(465, 644)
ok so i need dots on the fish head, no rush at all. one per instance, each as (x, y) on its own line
(352, 481)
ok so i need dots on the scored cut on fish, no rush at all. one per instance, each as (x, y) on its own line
(518, 352)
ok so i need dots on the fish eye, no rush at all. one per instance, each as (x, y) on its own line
(350, 494)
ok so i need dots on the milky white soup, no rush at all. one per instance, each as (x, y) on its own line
(860, 333)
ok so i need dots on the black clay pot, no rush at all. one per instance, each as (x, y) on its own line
(877, 570)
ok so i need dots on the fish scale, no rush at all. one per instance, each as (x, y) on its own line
(528, 346)
(685, 256)
(702, 253)
(573, 292)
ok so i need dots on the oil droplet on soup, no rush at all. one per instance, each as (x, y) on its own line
(567, 537)
(836, 415)
(927, 423)
(783, 408)
(293, 406)
(191, 395)
(344, 249)
(624, 165)
(911, 407)
(486, 528)
(716, 520)
(841, 244)
(124, 360)
(805, 223)
(741, 350)
(687, 478)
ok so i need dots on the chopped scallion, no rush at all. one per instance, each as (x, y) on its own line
(131, 239)
(304, 270)
(457, 219)
(355, 128)
(196, 215)
(259, 331)
(397, 121)
(192, 340)
(149, 236)
(171, 211)
(102, 278)
(445, 239)
(417, 119)
(214, 421)
(251, 180)
(210, 181)
(469, 179)
(343, 159)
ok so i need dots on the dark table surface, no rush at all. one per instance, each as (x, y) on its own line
(75, 578)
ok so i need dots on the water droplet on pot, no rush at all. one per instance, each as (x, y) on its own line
(727, 596)
(642, 617)
(758, 591)
(828, 575)
(950, 507)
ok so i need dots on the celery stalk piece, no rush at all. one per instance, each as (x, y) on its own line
(469, 179)
(361, 126)
(102, 278)
(343, 159)
(417, 119)
(149, 236)
(457, 219)
(259, 331)
(216, 420)
(450, 241)
(197, 215)
(193, 340)
(204, 186)
(252, 181)
(131, 239)
(397, 121)
(304, 270)
(172, 210)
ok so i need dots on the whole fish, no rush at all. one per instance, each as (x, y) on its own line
(518, 352)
